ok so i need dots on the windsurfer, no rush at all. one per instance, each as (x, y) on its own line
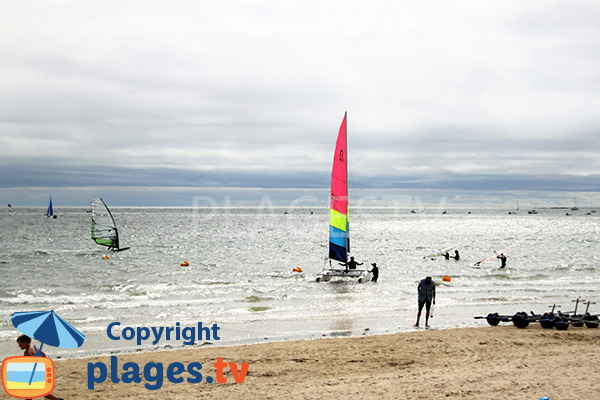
(426, 296)
(502, 258)
(446, 256)
(456, 255)
(351, 264)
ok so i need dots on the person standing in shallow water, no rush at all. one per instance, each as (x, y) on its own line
(502, 258)
(426, 297)
(375, 272)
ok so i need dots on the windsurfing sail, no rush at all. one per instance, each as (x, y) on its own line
(104, 228)
(339, 227)
(497, 254)
(50, 210)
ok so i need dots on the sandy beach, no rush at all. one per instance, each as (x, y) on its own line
(473, 363)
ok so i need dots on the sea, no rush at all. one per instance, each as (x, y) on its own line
(240, 276)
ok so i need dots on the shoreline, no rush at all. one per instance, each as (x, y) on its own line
(218, 344)
(462, 363)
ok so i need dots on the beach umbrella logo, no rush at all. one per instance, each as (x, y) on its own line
(48, 328)
(19, 376)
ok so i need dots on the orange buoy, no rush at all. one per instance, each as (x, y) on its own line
(297, 269)
(105, 258)
(185, 264)
(446, 278)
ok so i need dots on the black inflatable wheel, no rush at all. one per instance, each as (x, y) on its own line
(493, 319)
(591, 321)
(520, 320)
(561, 325)
(578, 324)
(547, 321)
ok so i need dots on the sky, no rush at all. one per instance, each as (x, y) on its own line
(150, 103)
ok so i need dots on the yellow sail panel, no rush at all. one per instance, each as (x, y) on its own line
(338, 220)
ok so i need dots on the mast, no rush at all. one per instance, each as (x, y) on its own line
(347, 191)
(114, 224)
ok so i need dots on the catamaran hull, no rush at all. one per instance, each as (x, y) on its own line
(351, 275)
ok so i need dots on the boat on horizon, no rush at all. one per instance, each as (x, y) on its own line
(575, 208)
(50, 211)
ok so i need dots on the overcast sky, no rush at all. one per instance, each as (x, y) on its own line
(153, 102)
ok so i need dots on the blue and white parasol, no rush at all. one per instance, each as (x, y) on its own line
(48, 328)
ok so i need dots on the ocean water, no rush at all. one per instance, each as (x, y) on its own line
(240, 274)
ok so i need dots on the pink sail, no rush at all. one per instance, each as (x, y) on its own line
(339, 185)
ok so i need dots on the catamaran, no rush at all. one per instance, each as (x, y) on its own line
(104, 228)
(339, 227)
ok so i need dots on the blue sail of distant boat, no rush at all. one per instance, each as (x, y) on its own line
(50, 211)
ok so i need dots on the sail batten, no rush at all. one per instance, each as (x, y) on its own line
(339, 227)
(104, 229)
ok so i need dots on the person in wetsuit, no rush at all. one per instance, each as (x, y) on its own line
(375, 272)
(502, 260)
(351, 264)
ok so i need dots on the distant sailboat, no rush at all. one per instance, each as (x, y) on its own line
(339, 227)
(104, 228)
(575, 208)
(50, 210)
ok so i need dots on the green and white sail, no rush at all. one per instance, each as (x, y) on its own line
(104, 228)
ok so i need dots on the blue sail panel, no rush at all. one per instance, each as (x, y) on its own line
(337, 236)
(337, 253)
(338, 242)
